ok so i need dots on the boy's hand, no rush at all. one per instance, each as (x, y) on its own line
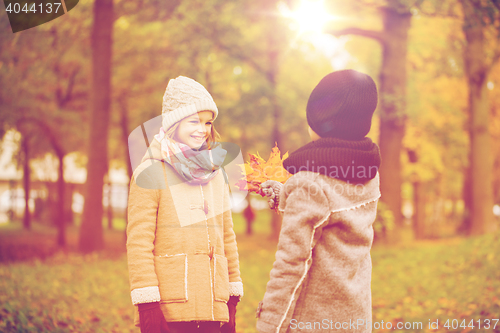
(272, 189)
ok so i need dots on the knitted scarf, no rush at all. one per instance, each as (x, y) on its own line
(352, 161)
(195, 166)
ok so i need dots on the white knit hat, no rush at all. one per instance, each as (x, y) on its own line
(183, 98)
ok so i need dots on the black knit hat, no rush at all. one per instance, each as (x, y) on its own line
(342, 105)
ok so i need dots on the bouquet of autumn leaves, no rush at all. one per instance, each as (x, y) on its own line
(257, 170)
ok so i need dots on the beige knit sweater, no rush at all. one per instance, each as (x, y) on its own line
(320, 281)
(177, 254)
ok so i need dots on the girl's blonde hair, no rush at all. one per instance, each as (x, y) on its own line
(212, 139)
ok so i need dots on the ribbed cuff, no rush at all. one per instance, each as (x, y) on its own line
(236, 289)
(145, 295)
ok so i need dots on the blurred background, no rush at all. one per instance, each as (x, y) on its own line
(73, 89)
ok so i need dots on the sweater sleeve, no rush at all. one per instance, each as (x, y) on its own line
(231, 249)
(141, 229)
(306, 209)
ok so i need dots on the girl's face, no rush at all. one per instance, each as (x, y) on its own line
(194, 130)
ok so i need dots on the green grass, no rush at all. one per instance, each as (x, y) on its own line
(440, 280)
(65, 293)
(260, 225)
(451, 279)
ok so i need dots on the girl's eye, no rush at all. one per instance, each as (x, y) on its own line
(209, 124)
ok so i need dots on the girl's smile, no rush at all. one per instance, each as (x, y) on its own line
(193, 131)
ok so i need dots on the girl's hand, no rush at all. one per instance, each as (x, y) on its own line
(272, 189)
(151, 318)
(230, 327)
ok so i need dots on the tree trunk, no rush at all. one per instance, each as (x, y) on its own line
(109, 208)
(61, 211)
(481, 163)
(26, 184)
(91, 231)
(466, 225)
(276, 138)
(392, 107)
(392, 102)
(419, 209)
(249, 216)
(68, 203)
(249, 230)
(272, 75)
(124, 124)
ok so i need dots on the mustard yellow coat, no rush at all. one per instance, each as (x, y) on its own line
(178, 254)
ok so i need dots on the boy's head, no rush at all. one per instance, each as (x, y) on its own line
(342, 105)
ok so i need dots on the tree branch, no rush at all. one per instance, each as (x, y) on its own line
(494, 60)
(377, 35)
(124, 125)
(63, 100)
(237, 53)
(440, 15)
(496, 3)
(240, 56)
(46, 130)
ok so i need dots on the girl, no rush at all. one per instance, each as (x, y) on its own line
(181, 247)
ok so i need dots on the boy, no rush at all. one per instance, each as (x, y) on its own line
(321, 278)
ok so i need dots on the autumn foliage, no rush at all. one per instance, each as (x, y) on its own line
(257, 170)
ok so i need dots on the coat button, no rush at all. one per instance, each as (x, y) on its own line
(211, 253)
(205, 206)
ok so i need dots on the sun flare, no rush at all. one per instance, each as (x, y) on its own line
(310, 16)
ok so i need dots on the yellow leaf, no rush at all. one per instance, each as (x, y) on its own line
(257, 170)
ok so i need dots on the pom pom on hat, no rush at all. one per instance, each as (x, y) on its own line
(342, 105)
(183, 98)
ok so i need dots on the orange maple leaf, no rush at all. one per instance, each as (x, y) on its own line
(257, 170)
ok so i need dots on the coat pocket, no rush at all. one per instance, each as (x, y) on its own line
(172, 278)
(221, 279)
